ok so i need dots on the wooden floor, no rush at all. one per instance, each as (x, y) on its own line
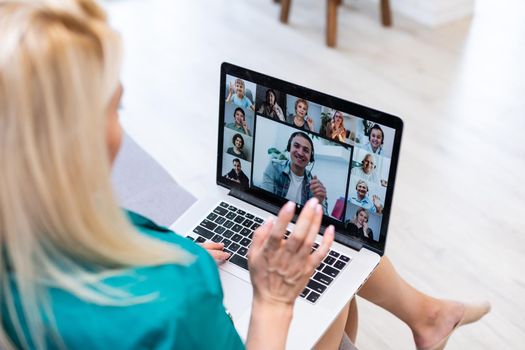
(457, 227)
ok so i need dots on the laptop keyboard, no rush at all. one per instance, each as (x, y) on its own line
(234, 228)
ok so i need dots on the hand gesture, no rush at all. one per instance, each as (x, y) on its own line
(280, 269)
(310, 123)
(365, 229)
(216, 250)
(317, 188)
(230, 88)
(377, 203)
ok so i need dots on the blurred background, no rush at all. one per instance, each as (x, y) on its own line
(453, 70)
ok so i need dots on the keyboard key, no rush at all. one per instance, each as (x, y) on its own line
(249, 216)
(304, 293)
(228, 234)
(208, 224)
(329, 260)
(321, 277)
(247, 223)
(239, 219)
(190, 238)
(236, 237)
(203, 232)
(242, 251)
(245, 231)
(200, 239)
(330, 271)
(228, 224)
(255, 226)
(224, 205)
(320, 267)
(287, 233)
(226, 242)
(233, 247)
(316, 286)
(315, 245)
(220, 220)
(211, 216)
(334, 254)
(258, 220)
(240, 212)
(313, 296)
(245, 242)
(219, 230)
(339, 264)
(239, 261)
(232, 208)
(236, 228)
(344, 258)
(220, 210)
(231, 215)
(216, 239)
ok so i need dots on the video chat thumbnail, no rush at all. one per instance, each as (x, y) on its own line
(298, 165)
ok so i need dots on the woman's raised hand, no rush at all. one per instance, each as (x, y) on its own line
(279, 268)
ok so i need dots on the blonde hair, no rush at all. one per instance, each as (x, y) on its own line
(60, 225)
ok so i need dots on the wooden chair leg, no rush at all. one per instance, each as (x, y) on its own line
(386, 14)
(285, 10)
(331, 22)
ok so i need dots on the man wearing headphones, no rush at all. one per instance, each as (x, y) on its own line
(240, 124)
(290, 178)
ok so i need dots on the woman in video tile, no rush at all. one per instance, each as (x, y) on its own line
(237, 148)
(367, 170)
(301, 119)
(336, 128)
(270, 108)
(237, 95)
(376, 138)
(362, 199)
(359, 224)
(240, 124)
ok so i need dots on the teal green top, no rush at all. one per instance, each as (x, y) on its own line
(187, 314)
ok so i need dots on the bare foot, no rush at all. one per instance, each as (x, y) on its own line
(443, 316)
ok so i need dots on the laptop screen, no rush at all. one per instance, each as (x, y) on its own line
(279, 141)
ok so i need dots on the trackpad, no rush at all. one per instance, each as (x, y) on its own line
(237, 298)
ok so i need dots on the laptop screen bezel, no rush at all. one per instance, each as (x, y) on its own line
(323, 99)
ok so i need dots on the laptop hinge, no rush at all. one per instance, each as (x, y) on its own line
(347, 241)
(253, 200)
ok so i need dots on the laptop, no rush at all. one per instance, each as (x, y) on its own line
(278, 141)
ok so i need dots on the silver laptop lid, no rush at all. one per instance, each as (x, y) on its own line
(279, 141)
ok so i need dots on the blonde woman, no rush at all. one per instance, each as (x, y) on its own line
(67, 252)
(75, 271)
(336, 128)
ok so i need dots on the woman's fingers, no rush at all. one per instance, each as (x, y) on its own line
(279, 227)
(302, 227)
(324, 247)
(216, 250)
(260, 236)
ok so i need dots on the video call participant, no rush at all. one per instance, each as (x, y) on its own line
(376, 139)
(361, 198)
(290, 179)
(237, 149)
(301, 119)
(270, 108)
(239, 98)
(237, 175)
(335, 129)
(367, 170)
(359, 224)
(239, 124)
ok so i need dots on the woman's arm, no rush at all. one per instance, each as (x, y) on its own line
(280, 269)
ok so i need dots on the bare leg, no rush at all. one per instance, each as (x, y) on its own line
(351, 321)
(332, 338)
(430, 319)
